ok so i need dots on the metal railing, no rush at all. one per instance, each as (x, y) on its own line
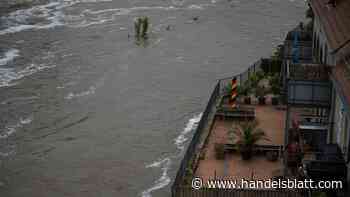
(192, 147)
(302, 92)
(241, 78)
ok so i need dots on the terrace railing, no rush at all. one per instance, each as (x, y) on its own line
(309, 93)
(242, 77)
(193, 146)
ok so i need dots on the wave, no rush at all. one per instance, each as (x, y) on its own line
(9, 56)
(9, 75)
(38, 17)
(163, 180)
(72, 95)
(52, 15)
(190, 126)
(165, 164)
(10, 130)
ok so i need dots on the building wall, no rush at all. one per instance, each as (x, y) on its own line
(340, 114)
(321, 49)
(340, 135)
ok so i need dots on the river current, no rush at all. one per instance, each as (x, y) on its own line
(85, 111)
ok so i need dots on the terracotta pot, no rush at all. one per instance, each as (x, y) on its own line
(246, 152)
(274, 100)
(262, 100)
(247, 100)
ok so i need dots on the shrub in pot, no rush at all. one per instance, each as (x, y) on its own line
(247, 135)
(275, 89)
(260, 93)
(219, 151)
(262, 100)
(272, 155)
(275, 100)
(244, 91)
(247, 100)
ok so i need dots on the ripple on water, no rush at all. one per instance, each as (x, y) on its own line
(165, 164)
(8, 56)
(8, 76)
(11, 129)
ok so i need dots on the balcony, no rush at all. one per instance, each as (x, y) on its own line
(308, 147)
(327, 164)
(303, 51)
(298, 46)
(308, 85)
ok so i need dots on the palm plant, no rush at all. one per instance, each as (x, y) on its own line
(247, 135)
(145, 25)
(138, 25)
(141, 25)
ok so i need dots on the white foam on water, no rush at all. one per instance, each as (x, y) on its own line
(163, 180)
(91, 1)
(8, 56)
(178, 2)
(72, 95)
(6, 154)
(165, 163)
(25, 121)
(10, 130)
(190, 126)
(9, 75)
(50, 16)
(196, 7)
(95, 17)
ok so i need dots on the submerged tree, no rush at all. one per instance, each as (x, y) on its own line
(145, 27)
(137, 24)
(141, 27)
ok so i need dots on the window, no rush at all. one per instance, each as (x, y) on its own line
(314, 43)
(325, 54)
(321, 55)
(316, 52)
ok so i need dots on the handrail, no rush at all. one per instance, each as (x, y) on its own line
(191, 149)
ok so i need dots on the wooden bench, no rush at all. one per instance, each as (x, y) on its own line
(256, 148)
(237, 112)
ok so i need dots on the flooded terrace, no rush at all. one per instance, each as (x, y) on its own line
(270, 119)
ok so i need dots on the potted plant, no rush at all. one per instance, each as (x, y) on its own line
(244, 91)
(259, 75)
(272, 155)
(219, 151)
(253, 80)
(228, 89)
(275, 89)
(260, 93)
(248, 135)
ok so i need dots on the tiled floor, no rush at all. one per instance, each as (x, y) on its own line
(271, 120)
